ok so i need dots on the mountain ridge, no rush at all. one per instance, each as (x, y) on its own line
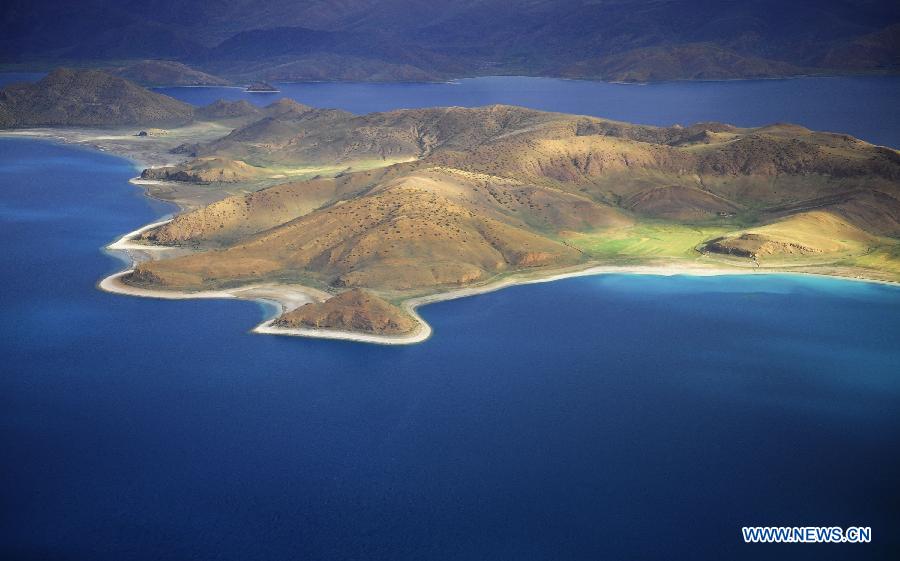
(391, 40)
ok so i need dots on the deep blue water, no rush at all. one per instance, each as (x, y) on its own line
(609, 417)
(865, 107)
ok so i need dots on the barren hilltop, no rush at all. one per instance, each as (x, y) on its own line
(410, 203)
(87, 98)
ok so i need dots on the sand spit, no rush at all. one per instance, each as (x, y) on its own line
(128, 243)
(422, 332)
(114, 284)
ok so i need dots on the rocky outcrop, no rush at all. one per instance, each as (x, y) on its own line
(206, 170)
(353, 310)
(812, 233)
(757, 246)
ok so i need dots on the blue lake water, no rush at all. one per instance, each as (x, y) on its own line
(608, 417)
(865, 107)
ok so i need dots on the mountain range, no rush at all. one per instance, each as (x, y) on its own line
(415, 40)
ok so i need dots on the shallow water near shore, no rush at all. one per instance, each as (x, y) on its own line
(612, 416)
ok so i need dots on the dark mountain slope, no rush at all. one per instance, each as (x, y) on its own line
(153, 73)
(420, 40)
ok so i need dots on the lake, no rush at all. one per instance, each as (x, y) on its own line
(606, 417)
(865, 106)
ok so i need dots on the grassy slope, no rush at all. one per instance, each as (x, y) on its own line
(651, 239)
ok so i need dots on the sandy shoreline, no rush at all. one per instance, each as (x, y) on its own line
(287, 297)
(122, 141)
(127, 243)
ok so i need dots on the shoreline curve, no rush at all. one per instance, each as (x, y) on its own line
(287, 297)
(290, 296)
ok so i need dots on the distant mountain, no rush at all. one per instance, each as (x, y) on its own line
(155, 73)
(681, 62)
(87, 98)
(221, 109)
(639, 40)
(299, 53)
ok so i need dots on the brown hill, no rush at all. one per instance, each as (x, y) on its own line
(525, 206)
(679, 203)
(304, 134)
(809, 234)
(535, 146)
(403, 237)
(207, 170)
(235, 217)
(353, 310)
(875, 211)
(87, 98)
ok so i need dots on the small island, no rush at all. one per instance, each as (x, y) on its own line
(262, 87)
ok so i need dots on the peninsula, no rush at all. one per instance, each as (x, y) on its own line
(351, 221)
